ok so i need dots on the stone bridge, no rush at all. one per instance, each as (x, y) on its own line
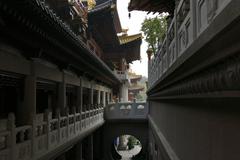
(125, 119)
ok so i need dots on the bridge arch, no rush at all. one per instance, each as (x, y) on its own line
(115, 129)
(127, 146)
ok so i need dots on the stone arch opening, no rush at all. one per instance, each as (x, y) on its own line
(112, 130)
(126, 147)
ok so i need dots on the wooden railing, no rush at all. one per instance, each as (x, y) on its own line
(192, 18)
(36, 140)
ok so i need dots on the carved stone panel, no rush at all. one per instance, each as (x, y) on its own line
(201, 15)
(211, 9)
(223, 77)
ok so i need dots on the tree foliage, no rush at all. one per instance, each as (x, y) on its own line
(132, 141)
(154, 30)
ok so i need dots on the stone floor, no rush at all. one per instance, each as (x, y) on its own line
(127, 155)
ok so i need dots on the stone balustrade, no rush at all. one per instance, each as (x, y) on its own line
(191, 19)
(126, 111)
(44, 135)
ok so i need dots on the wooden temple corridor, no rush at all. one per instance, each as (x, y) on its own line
(64, 81)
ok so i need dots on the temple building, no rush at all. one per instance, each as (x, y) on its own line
(65, 81)
(57, 74)
(137, 89)
(117, 50)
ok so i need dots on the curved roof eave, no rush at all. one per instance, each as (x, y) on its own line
(50, 21)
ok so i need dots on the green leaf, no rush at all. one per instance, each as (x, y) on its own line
(154, 30)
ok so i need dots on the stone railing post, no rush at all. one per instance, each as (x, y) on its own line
(12, 138)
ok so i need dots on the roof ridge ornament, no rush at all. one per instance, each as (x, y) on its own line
(90, 4)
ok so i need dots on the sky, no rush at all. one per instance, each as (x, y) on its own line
(134, 25)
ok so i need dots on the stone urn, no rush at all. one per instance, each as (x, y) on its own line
(149, 53)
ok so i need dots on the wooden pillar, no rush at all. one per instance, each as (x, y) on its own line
(11, 143)
(104, 98)
(90, 144)
(28, 112)
(78, 151)
(99, 97)
(108, 97)
(79, 98)
(61, 157)
(98, 148)
(91, 94)
(62, 95)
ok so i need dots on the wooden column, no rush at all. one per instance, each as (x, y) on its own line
(78, 151)
(104, 98)
(79, 97)
(99, 97)
(108, 97)
(62, 95)
(28, 112)
(91, 94)
(80, 100)
(90, 144)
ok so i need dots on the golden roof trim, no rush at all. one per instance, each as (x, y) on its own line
(123, 39)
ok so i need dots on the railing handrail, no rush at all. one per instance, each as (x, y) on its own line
(127, 111)
(32, 136)
(186, 29)
(23, 128)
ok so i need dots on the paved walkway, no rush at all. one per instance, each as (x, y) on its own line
(127, 155)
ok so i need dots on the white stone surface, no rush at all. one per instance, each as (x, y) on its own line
(127, 155)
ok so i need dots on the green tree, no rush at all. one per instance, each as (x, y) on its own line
(132, 141)
(139, 97)
(154, 30)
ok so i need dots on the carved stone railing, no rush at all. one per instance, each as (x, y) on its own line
(44, 135)
(192, 18)
(126, 111)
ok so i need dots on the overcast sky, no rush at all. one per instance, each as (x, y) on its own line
(134, 26)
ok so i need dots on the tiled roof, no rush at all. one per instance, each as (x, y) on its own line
(46, 18)
(101, 6)
(126, 38)
(152, 5)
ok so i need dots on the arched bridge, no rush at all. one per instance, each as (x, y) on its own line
(125, 119)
